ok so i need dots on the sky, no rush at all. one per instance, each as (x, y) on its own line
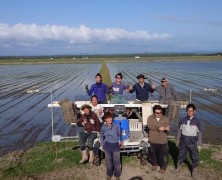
(69, 27)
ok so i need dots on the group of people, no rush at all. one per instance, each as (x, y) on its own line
(109, 135)
(189, 139)
(189, 136)
(166, 91)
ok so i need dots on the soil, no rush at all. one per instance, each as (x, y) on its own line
(129, 172)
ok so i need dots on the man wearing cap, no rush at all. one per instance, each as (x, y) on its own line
(168, 95)
(142, 89)
(167, 91)
(91, 125)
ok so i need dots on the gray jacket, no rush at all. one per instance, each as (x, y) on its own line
(167, 93)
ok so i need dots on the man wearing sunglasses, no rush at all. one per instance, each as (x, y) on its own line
(168, 95)
(158, 126)
(167, 91)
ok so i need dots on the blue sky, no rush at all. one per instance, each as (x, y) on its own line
(51, 27)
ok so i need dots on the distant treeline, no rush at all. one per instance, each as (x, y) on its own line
(109, 56)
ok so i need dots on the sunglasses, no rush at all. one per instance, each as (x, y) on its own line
(163, 81)
(158, 112)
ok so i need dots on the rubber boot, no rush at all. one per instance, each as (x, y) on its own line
(91, 156)
(84, 157)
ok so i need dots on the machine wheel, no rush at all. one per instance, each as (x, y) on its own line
(143, 160)
(96, 160)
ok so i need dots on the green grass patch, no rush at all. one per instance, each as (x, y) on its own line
(105, 59)
(104, 71)
(50, 156)
(128, 159)
(44, 157)
(207, 160)
(206, 157)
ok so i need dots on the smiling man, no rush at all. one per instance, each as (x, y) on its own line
(158, 126)
(189, 138)
(166, 91)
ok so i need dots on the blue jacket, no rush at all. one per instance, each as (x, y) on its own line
(111, 135)
(142, 93)
(100, 90)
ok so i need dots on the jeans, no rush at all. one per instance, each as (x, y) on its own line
(192, 149)
(159, 155)
(113, 163)
(83, 136)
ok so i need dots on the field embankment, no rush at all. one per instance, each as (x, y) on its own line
(110, 59)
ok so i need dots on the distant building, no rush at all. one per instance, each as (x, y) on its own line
(137, 57)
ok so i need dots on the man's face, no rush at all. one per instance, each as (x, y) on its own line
(190, 112)
(158, 113)
(109, 120)
(164, 83)
(94, 101)
(141, 80)
(98, 79)
(86, 111)
(118, 79)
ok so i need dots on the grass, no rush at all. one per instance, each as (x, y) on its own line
(44, 157)
(206, 157)
(104, 71)
(81, 60)
(50, 156)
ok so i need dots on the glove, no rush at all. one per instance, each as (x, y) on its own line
(110, 89)
(86, 87)
(199, 149)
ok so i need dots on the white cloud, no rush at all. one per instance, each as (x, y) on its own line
(32, 34)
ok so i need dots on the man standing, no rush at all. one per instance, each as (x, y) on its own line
(189, 137)
(142, 90)
(168, 95)
(158, 126)
(167, 91)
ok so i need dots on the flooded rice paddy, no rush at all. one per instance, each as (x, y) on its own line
(25, 118)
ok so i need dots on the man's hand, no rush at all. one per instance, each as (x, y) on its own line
(110, 89)
(177, 143)
(84, 122)
(121, 145)
(129, 86)
(152, 84)
(162, 128)
(167, 128)
(98, 134)
(100, 111)
(86, 87)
